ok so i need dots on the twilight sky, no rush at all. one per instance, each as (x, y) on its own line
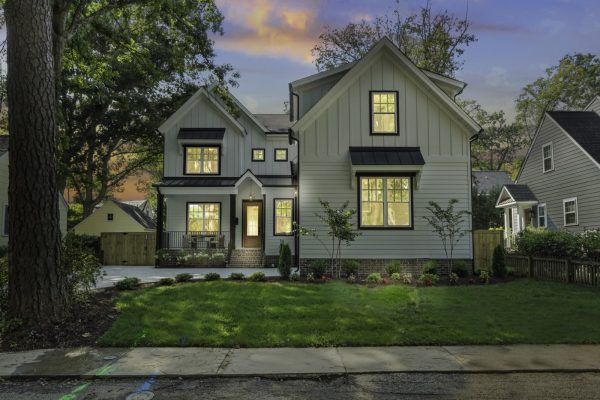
(269, 42)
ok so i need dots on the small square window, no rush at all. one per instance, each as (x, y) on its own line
(281, 154)
(110, 217)
(258, 154)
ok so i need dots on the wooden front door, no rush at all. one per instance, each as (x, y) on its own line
(252, 223)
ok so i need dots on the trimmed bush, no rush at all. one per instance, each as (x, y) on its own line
(218, 260)
(430, 267)
(184, 277)
(318, 267)
(350, 267)
(258, 276)
(284, 265)
(553, 244)
(484, 276)
(166, 282)
(90, 243)
(396, 276)
(590, 244)
(294, 276)
(236, 276)
(374, 277)
(459, 267)
(212, 276)
(453, 278)
(393, 268)
(498, 264)
(407, 278)
(128, 283)
(428, 279)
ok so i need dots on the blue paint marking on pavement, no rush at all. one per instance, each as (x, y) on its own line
(147, 385)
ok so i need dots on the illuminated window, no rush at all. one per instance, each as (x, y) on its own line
(202, 160)
(258, 154)
(385, 202)
(384, 116)
(203, 217)
(283, 216)
(281, 154)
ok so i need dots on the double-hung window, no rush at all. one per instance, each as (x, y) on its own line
(548, 157)
(202, 160)
(204, 217)
(385, 202)
(384, 113)
(283, 217)
(541, 215)
(570, 211)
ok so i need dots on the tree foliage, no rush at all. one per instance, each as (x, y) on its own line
(569, 85)
(485, 213)
(434, 41)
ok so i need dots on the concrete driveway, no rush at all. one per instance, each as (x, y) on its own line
(148, 274)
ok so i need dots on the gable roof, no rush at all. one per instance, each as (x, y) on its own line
(138, 215)
(583, 127)
(274, 123)
(513, 193)
(384, 44)
(488, 180)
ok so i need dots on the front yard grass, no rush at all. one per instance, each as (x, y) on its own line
(249, 314)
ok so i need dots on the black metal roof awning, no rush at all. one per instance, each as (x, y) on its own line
(201, 134)
(386, 156)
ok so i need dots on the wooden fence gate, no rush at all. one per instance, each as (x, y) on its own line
(484, 243)
(133, 248)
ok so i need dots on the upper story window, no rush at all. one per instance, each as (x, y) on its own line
(384, 113)
(281, 154)
(541, 214)
(258, 154)
(570, 211)
(201, 160)
(548, 157)
(110, 217)
(385, 202)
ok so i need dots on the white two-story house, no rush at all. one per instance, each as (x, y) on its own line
(379, 133)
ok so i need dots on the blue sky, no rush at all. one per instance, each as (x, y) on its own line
(269, 41)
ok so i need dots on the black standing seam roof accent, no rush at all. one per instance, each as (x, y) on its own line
(196, 181)
(583, 127)
(386, 156)
(201, 133)
(138, 215)
(520, 192)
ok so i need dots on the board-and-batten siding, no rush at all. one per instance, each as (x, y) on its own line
(325, 164)
(595, 105)
(574, 175)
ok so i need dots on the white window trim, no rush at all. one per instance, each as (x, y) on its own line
(565, 201)
(544, 170)
(545, 216)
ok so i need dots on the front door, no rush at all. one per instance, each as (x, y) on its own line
(251, 223)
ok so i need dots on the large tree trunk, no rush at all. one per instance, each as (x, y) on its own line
(37, 288)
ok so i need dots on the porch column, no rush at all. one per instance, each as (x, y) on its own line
(232, 217)
(159, 220)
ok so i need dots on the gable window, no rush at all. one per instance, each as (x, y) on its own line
(202, 160)
(258, 154)
(203, 217)
(541, 215)
(281, 154)
(110, 216)
(548, 157)
(570, 211)
(384, 113)
(283, 217)
(385, 202)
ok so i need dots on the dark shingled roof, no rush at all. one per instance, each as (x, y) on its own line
(196, 181)
(520, 192)
(386, 156)
(134, 212)
(201, 133)
(3, 144)
(583, 127)
(275, 123)
(488, 180)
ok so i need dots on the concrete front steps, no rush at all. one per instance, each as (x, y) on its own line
(249, 258)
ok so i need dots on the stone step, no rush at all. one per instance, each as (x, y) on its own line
(247, 258)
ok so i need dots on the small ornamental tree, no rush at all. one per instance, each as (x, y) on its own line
(447, 223)
(498, 263)
(284, 265)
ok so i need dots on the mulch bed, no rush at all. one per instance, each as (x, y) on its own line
(88, 322)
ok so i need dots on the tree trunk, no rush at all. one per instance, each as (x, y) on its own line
(37, 287)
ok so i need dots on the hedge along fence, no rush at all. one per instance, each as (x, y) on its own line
(562, 270)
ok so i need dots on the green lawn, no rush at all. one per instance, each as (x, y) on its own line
(250, 314)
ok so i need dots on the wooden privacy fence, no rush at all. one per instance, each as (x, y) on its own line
(484, 243)
(128, 248)
(570, 271)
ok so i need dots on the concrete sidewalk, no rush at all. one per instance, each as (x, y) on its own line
(203, 362)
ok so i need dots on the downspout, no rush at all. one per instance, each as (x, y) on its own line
(292, 138)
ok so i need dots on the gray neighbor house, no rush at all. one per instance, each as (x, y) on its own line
(558, 186)
(379, 133)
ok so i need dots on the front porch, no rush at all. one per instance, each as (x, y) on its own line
(520, 208)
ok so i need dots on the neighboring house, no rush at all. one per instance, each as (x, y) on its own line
(558, 186)
(379, 133)
(488, 181)
(62, 203)
(143, 205)
(115, 216)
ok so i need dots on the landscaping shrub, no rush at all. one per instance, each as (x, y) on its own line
(374, 277)
(459, 267)
(318, 267)
(484, 276)
(257, 277)
(498, 264)
(3, 251)
(428, 279)
(212, 276)
(396, 276)
(218, 260)
(350, 267)
(88, 242)
(393, 268)
(294, 276)
(453, 278)
(352, 278)
(406, 278)
(166, 282)
(590, 244)
(184, 277)
(310, 277)
(237, 276)
(284, 265)
(82, 266)
(128, 283)
(430, 267)
(553, 244)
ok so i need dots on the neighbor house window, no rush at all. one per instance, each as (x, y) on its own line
(281, 154)
(385, 202)
(204, 217)
(548, 157)
(384, 113)
(258, 154)
(283, 216)
(570, 211)
(541, 211)
(202, 160)
(110, 217)
(5, 221)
